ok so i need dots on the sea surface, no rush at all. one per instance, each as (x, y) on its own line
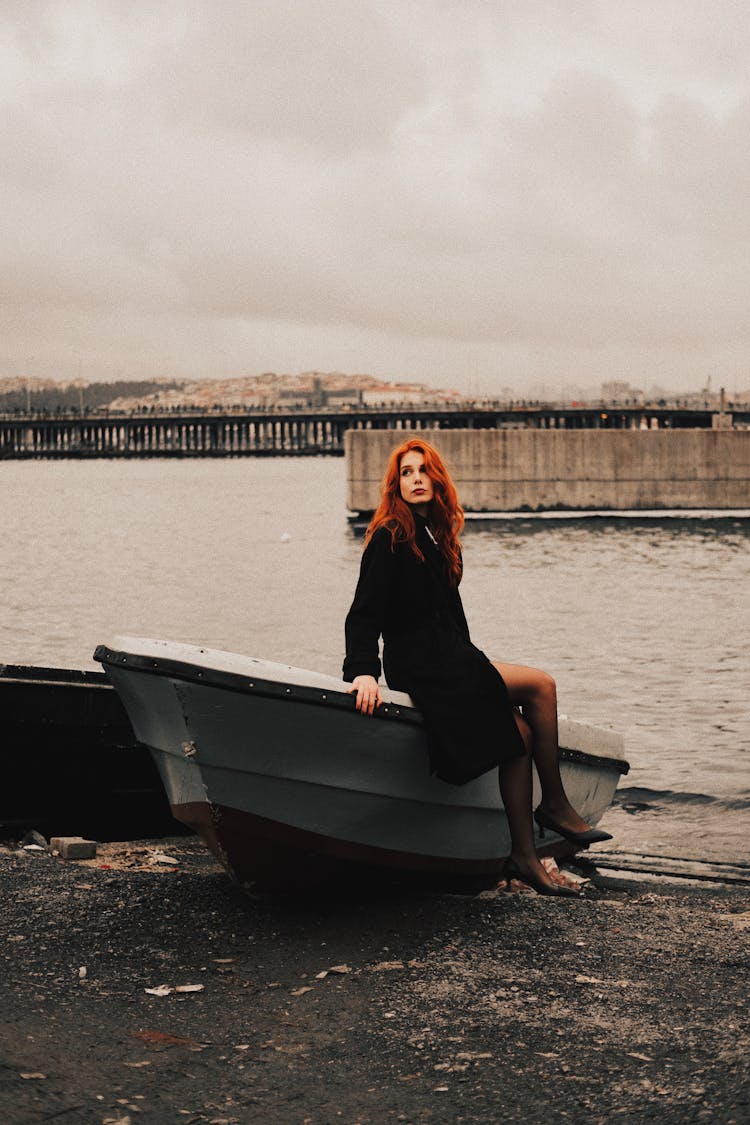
(645, 623)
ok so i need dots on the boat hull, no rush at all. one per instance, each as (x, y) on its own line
(290, 786)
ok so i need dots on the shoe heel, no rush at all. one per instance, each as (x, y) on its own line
(589, 836)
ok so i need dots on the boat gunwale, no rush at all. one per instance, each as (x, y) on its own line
(54, 677)
(299, 693)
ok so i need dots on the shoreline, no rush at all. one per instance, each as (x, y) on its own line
(627, 1003)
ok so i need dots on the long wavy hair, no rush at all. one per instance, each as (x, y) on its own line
(446, 514)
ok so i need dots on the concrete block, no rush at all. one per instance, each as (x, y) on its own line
(73, 847)
(577, 470)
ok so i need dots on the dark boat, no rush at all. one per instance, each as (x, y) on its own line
(72, 764)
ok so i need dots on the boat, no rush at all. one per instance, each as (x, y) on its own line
(290, 787)
(71, 762)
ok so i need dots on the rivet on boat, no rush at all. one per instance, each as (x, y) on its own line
(324, 697)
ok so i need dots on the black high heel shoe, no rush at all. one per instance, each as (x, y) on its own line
(513, 871)
(590, 836)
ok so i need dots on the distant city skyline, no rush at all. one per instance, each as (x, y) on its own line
(285, 387)
(527, 196)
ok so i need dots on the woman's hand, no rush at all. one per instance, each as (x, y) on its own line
(368, 693)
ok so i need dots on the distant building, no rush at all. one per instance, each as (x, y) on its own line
(317, 393)
(394, 394)
(388, 395)
(618, 391)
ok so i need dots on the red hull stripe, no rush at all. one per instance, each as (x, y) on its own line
(266, 852)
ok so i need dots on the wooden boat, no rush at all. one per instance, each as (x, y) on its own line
(291, 787)
(71, 762)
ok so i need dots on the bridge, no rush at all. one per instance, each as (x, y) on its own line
(306, 431)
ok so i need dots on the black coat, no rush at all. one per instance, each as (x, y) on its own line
(427, 652)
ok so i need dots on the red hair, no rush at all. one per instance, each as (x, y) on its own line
(446, 514)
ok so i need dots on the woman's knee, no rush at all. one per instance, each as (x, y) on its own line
(545, 686)
(528, 685)
(539, 690)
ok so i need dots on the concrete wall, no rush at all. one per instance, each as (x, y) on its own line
(511, 470)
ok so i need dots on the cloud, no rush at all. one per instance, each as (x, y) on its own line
(330, 74)
(381, 186)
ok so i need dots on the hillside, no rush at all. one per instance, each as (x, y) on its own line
(269, 389)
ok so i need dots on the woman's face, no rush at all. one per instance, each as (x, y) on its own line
(414, 483)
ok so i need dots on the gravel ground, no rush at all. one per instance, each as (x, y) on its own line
(626, 1005)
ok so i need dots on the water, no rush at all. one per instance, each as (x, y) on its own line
(644, 623)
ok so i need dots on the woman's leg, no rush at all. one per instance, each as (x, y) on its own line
(536, 693)
(515, 790)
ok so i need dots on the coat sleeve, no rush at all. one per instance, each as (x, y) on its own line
(364, 621)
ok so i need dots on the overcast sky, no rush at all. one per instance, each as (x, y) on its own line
(479, 194)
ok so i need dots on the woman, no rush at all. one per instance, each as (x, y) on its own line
(408, 593)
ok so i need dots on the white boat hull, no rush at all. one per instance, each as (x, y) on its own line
(288, 784)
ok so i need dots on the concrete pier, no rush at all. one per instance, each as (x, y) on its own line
(537, 470)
